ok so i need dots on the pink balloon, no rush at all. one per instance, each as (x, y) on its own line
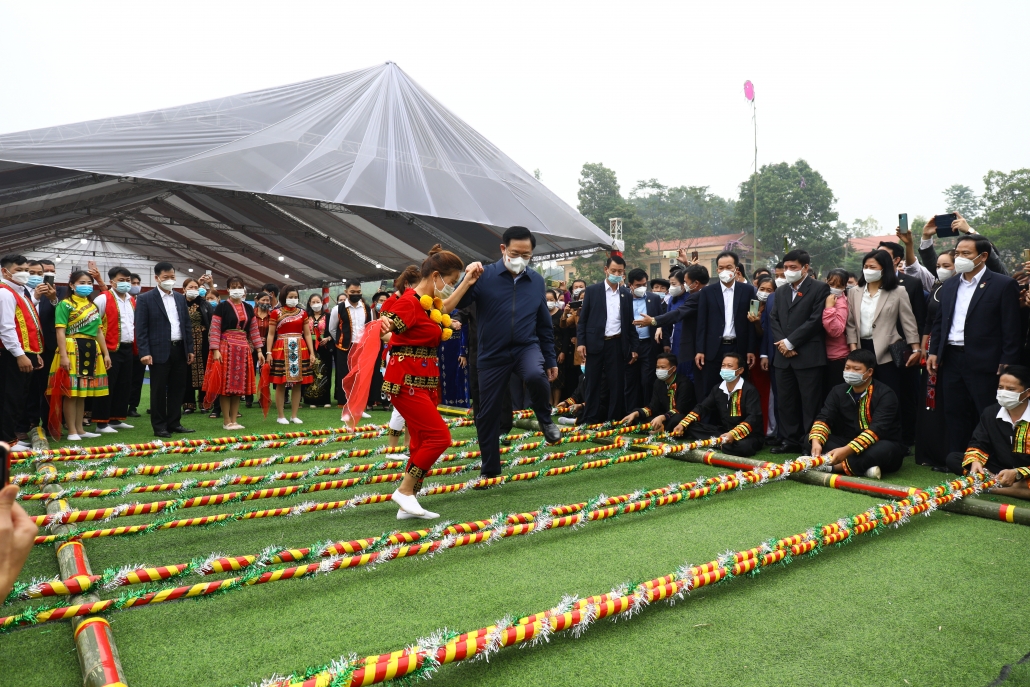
(749, 90)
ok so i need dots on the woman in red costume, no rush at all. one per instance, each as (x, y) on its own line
(418, 322)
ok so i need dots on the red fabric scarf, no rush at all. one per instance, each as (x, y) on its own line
(362, 360)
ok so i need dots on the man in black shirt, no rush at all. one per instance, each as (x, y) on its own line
(859, 428)
(670, 397)
(738, 407)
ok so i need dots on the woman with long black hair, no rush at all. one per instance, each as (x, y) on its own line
(318, 392)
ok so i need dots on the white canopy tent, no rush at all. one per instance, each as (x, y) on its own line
(353, 175)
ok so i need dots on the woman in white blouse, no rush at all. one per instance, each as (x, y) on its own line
(875, 309)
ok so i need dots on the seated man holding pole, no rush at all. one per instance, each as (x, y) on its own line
(1000, 444)
(669, 397)
(859, 428)
(736, 405)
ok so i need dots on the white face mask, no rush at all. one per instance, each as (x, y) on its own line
(780, 281)
(763, 296)
(576, 292)
(793, 275)
(515, 265)
(662, 374)
(675, 291)
(726, 276)
(237, 294)
(944, 274)
(1008, 399)
(872, 275)
(836, 292)
(292, 302)
(552, 305)
(20, 277)
(316, 307)
(853, 378)
(167, 284)
(640, 292)
(963, 265)
(192, 293)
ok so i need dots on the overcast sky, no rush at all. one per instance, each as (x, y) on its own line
(890, 101)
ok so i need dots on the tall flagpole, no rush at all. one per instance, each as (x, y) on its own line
(749, 93)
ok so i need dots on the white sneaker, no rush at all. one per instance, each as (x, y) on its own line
(22, 446)
(283, 421)
(89, 435)
(325, 406)
(426, 515)
(74, 437)
(566, 421)
(401, 456)
(297, 421)
(873, 472)
(365, 415)
(107, 430)
(408, 503)
(123, 425)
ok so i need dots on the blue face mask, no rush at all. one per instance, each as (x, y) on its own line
(123, 287)
(615, 278)
(83, 289)
(728, 375)
(34, 280)
(203, 292)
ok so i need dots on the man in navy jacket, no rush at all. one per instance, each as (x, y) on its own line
(513, 330)
(722, 329)
(640, 375)
(694, 278)
(164, 337)
(603, 337)
(975, 333)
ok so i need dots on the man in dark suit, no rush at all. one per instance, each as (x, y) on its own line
(694, 278)
(975, 334)
(722, 324)
(165, 341)
(604, 337)
(800, 349)
(45, 297)
(640, 375)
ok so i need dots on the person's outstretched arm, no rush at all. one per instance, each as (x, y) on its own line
(17, 533)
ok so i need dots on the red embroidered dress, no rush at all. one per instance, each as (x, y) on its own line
(291, 359)
(413, 359)
(234, 329)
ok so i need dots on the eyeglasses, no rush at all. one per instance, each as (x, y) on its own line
(526, 256)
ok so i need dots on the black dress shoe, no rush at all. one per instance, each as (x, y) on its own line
(163, 435)
(133, 413)
(182, 430)
(939, 468)
(785, 448)
(551, 432)
(484, 487)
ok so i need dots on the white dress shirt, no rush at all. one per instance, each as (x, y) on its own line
(966, 289)
(868, 312)
(126, 317)
(356, 314)
(612, 300)
(728, 330)
(1004, 415)
(8, 330)
(168, 301)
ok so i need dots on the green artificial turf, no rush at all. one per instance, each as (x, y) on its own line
(933, 603)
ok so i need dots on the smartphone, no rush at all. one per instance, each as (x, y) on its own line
(903, 222)
(554, 284)
(693, 255)
(207, 272)
(576, 305)
(670, 254)
(754, 307)
(944, 223)
(1026, 255)
(5, 467)
(1024, 287)
(48, 279)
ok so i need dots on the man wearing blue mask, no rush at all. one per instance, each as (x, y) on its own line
(603, 338)
(735, 408)
(672, 395)
(118, 326)
(514, 337)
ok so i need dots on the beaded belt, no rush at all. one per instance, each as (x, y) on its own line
(401, 352)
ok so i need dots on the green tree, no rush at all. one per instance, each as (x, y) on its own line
(599, 201)
(962, 199)
(1006, 212)
(795, 206)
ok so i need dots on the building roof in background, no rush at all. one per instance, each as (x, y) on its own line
(699, 242)
(864, 244)
(352, 175)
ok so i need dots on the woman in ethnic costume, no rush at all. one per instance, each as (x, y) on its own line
(199, 313)
(82, 352)
(234, 334)
(417, 320)
(317, 393)
(289, 340)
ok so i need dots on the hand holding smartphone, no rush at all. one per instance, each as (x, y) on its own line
(943, 224)
(903, 222)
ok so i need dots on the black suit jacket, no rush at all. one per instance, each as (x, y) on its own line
(154, 331)
(687, 314)
(711, 319)
(992, 334)
(47, 318)
(916, 297)
(652, 306)
(593, 317)
(800, 321)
